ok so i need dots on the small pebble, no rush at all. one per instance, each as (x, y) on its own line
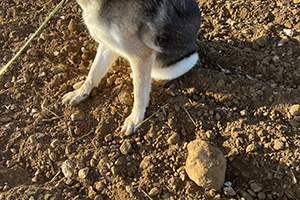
(69, 182)
(125, 147)
(39, 135)
(251, 148)
(174, 138)
(130, 190)
(99, 185)
(283, 41)
(125, 98)
(251, 193)
(246, 195)
(229, 191)
(30, 192)
(261, 195)
(154, 192)
(243, 113)
(278, 144)
(295, 110)
(83, 173)
(67, 168)
(255, 187)
(210, 134)
(72, 25)
(77, 116)
(98, 197)
(288, 32)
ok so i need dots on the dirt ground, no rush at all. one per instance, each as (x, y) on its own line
(242, 97)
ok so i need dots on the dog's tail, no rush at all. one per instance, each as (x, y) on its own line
(175, 70)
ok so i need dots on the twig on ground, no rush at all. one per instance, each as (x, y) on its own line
(187, 112)
(145, 193)
(152, 115)
(293, 176)
(53, 113)
(54, 177)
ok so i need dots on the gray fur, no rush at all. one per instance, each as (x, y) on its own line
(171, 25)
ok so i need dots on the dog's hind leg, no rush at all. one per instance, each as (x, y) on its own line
(102, 62)
(141, 68)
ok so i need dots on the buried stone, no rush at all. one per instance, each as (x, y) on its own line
(205, 165)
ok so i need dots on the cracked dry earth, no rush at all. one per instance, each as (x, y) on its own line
(242, 97)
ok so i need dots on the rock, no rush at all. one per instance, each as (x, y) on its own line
(205, 165)
(283, 41)
(125, 98)
(77, 116)
(30, 192)
(83, 173)
(261, 41)
(251, 193)
(255, 187)
(39, 135)
(91, 192)
(130, 190)
(246, 195)
(229, 191)
(295, 110)
(99, 185)
(251, 148)
(278, 144)
(210, 134)
(67, 168)
(145, 163)
(98, 197)
(174, 138)
(276, 59)
(69, 182)
(288, 32)
(154, 192)
(125, 147)
(72, 25)
(261, 195)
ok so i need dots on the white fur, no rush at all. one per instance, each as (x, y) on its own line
(122, 39)
(176, 70)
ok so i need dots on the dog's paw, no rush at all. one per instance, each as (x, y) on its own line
(132, 123)
(73, 97)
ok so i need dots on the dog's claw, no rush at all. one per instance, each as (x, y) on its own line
(132, 123)
(73, 98)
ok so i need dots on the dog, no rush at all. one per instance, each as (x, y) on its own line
(156, 36)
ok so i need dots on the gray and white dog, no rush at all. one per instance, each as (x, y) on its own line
(156, 36)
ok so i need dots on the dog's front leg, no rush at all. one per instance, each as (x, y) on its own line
(102, 62)
(141, 68)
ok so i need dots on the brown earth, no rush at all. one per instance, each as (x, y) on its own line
(239, 98)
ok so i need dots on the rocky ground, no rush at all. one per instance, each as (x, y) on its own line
(242, 97)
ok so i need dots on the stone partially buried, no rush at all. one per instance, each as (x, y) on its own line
(205, 165)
